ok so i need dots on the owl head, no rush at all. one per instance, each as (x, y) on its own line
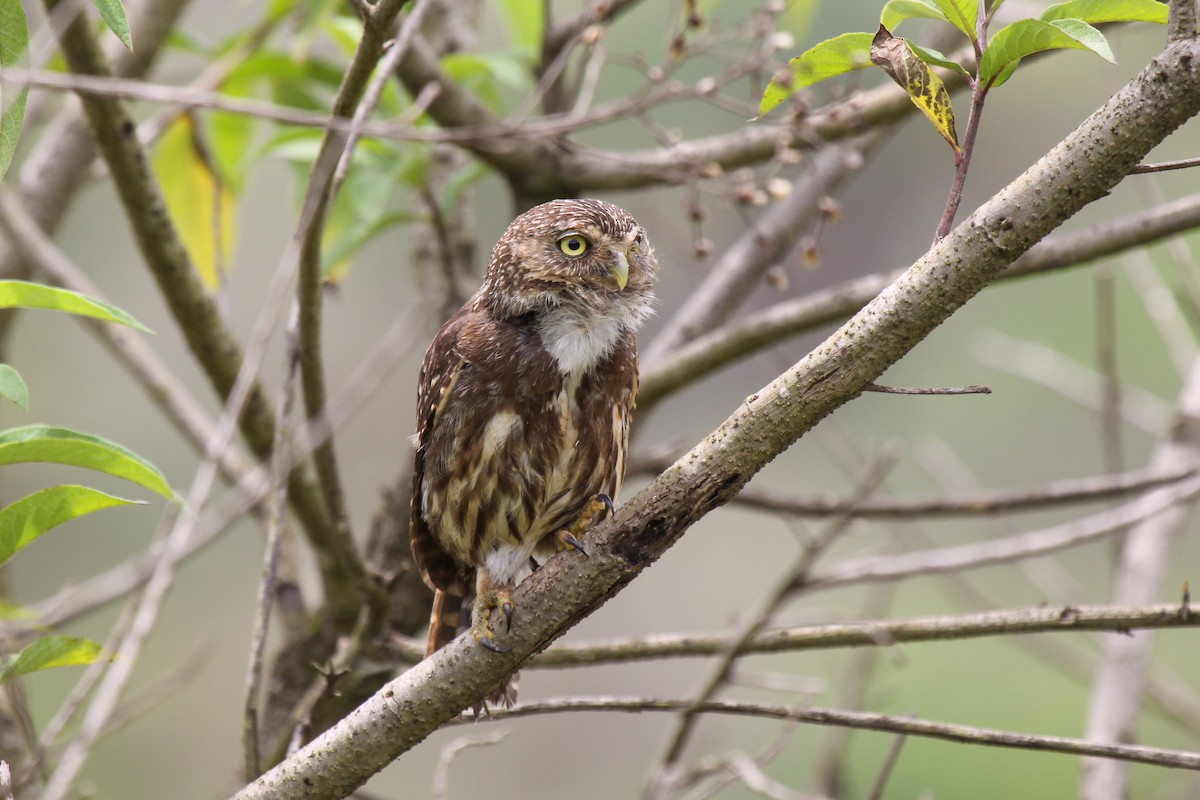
(586, 257)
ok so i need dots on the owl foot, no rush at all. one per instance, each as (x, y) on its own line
(567, 539)
(481, 618)
(570, 537)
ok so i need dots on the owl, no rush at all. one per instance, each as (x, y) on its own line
(524, 407)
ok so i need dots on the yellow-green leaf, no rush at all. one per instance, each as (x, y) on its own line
(895, 57)
(962, 14)
(14, 38)
(1028, 36)
(896, 11)
(113, 14)
(829, 58)
(23, 521)
(46, 444)
(23, 294)
(47, 653)
(526, 21)
(1096, 12)
(12, 387)
(200, 202)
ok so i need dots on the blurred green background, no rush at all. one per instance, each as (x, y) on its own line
(1020, 435)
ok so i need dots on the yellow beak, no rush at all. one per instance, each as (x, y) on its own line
(620, 270)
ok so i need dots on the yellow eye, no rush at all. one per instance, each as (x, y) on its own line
(574, 245)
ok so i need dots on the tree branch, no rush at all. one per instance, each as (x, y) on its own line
(874, 633)
(1081, 169)
(1147, 550)
(996, 501)
(710, 351)
(865, 720)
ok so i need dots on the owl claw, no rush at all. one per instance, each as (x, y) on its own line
(608, 503)
(490, 644)
(481, 618)
(568, 539)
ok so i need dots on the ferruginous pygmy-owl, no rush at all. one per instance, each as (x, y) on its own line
(524, 407)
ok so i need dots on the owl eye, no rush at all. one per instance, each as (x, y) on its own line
(574, 245)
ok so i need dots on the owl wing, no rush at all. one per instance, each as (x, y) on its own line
(440, 371)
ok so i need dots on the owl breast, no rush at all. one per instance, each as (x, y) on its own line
(551, 443)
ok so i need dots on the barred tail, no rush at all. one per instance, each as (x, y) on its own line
(443, 622)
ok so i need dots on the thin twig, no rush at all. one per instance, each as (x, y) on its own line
(1144, 557)
(983, 501)
(1166, 166)
(771, 236)
(1013, 548)
(280, 456)
(885, 772)
(949, 390)
(864, 720)
(712, 350)
(441, 776)
(868, 633)
(346, 592)
(796, 578)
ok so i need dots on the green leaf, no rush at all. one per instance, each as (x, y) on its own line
(23, 294)
(526, 23)
(896, 11)
(962, 14)
(47, 653)
(113, 14)
(28, 518)
(338, 257)
(1028, 36)
(486, 75)
(12, 387)
(935, 59)
(42, 443)
(14, 39)
(895, 57)
(829, 58)
(1096, 12)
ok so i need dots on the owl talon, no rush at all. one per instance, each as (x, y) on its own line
(567, 539)
(481, 618)
(491, 644)
(608, 504)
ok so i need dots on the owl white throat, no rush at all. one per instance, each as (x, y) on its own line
(581, 337)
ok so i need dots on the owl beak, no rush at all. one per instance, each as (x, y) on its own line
(619, 273)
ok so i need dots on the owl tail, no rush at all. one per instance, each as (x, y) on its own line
(443, 622)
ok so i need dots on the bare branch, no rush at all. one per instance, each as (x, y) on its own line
(771, 236)
(1147, 550)
(441, 778)
(864, 720)
(916, 390)
(710, 351)
(1012, 548)
(871, 633)
(795, 578)
(1167, 166)
(1074, 490)
(347, 584)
